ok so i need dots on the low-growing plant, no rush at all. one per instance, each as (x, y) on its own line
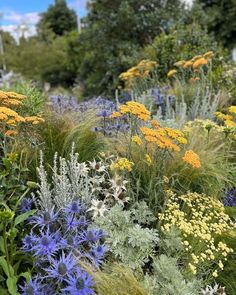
(128, 236)
(201, 220)
(116, 279)
(168, 279)
(13, 263)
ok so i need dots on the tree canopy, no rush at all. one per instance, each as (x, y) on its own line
(59, 18)
(221, 20)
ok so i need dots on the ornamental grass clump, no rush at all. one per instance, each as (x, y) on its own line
(201, 220)
(59, 241)
(144, 150)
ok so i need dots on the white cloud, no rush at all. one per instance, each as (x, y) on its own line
(20, 24)
(14, 17)
(18, 30)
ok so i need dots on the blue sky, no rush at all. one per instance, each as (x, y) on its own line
(18, 12)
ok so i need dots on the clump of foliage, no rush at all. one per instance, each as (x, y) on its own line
(117, 280)
(129, 238)
(167, 279)
(59, 19)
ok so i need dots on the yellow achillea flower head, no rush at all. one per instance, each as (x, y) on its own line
(188, 64)
(148, 159)
(135, 108)
(136, 139)
(123, 164)
(230, 123)
(171, 73)
(116, 115)
(180, 63)
(209, 54)
(200, 62)
(196, 57)
(222, 116)
(232, 109)
(192, 158)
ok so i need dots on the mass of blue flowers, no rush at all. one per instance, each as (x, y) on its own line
(230, 199)
(59, 241)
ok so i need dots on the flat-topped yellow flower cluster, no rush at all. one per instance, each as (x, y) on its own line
(9, 116)
(200, 219)
(194, 64)
(152, 132)
(123, 164)
(141, 70)
(192, 158)
(228, 119)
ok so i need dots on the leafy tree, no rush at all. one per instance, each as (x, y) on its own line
(54, 65)
(115, 30)
(221, 19)
(59, 18)
(9, 44)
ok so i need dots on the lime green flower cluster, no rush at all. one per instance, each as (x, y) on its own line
(200, 219)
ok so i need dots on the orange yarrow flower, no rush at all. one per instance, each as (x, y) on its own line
(192, 158)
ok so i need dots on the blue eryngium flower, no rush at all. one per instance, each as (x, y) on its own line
(44, 219)
(57, 241)
(74, 208)
(29, 241)
(46, 244)
(26, 205)
(230, 199)
(61, 268)
(80, 284)
(34, 287)
(92, 235)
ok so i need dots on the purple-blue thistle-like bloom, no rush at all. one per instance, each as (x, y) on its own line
(74, 208)
(80, 284)
(46, 244)
(44, 219)
(26, 205)
(71, 223)
(28, 242)
(230, 199)
(97, 254)
(92, 235)
(33, 287)
(63, 103)
(61, 268)
(57, 241)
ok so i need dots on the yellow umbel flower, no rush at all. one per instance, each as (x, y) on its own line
(199, 63)
(222, 116)
(232, 109)
(123, 164)
(209, 54)
(148, 159)
(116, 115)
(192, 158)
(136, 139)
(171, 73)
(135, 108)
(230, 123)
(188, 64)
(180, 63)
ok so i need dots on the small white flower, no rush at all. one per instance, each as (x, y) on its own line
(98, 208)
(97, 166)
